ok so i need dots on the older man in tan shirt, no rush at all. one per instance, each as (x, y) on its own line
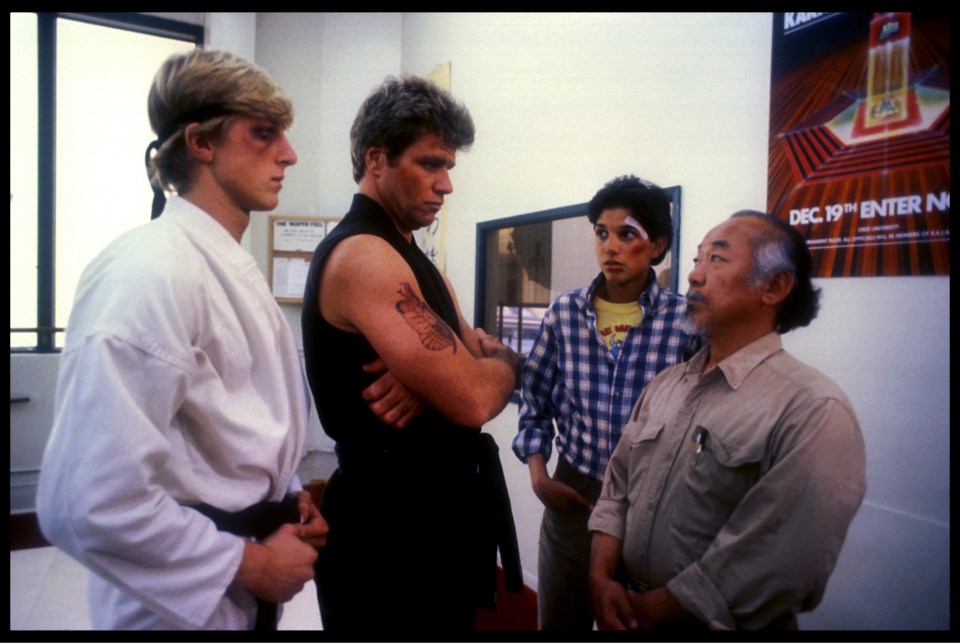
(729, 496)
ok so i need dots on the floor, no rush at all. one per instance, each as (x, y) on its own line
(48, 593)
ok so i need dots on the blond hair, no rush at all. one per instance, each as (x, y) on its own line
(210, 87)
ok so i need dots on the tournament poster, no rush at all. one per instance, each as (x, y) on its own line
(859, 156)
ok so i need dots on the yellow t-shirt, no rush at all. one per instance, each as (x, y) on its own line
(614, 320)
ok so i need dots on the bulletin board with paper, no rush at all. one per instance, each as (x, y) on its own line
(292, 242)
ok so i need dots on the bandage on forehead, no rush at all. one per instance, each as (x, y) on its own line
(633, 223)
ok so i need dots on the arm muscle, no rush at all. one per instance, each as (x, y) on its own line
(367, 288)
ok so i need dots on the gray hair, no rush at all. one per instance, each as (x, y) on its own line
(770, 257)
(780, 248)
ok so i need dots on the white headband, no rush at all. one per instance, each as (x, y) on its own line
(633, 223)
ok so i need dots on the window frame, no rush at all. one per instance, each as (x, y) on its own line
(46, 328)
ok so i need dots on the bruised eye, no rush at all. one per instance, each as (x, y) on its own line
(265, 133)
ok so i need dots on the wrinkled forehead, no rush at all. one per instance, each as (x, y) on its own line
(733, 234)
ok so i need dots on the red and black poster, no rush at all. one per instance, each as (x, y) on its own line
(859, 157)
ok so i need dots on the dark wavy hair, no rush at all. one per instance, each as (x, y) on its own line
(782, 248)
(399, 112)
(647, 201)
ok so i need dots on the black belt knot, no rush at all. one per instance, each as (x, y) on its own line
(258, 521)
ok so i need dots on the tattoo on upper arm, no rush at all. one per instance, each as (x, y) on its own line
(434, 332)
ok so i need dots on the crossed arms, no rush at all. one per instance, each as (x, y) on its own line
(368, 288)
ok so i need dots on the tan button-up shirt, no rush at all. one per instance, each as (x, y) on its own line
(735, 487)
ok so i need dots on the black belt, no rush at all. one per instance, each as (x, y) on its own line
(258, 521)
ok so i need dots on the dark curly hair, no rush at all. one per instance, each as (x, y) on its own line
(399, 112)
(782, 248)
(647, 201)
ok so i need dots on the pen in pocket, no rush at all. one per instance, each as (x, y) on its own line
(699, 440)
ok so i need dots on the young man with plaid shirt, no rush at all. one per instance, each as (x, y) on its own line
(597, 348)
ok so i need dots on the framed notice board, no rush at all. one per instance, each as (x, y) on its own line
(292, 242)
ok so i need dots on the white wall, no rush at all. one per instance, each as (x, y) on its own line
(34, 378)
(886, 341)
(563, 103)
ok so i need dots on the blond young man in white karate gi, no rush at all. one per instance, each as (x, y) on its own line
(181, 394)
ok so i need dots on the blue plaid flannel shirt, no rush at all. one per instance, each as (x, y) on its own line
(571, 378)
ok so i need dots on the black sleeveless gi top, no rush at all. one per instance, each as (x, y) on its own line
(334, 361)
(434, 490)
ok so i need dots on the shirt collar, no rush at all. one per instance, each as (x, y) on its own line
(367, 208)
(194, 218)
(737, 367)
(214, 238)
(648, 300)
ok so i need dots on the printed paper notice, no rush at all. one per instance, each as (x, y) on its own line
(289, 277)
(297, 236)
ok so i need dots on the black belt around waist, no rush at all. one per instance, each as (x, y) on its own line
(258, 521)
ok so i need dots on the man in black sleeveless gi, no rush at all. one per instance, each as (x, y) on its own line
(402, 384)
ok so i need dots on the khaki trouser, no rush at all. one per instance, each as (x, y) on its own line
(563, 598)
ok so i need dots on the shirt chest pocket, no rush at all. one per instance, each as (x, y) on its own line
(643, 448)
(719, 474)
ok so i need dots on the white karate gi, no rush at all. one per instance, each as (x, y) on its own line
(180, 383)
